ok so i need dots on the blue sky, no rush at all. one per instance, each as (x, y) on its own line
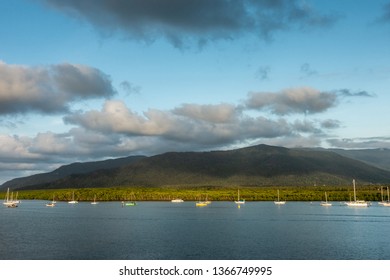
(89, 80)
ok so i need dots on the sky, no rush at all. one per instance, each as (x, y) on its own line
(96, 79)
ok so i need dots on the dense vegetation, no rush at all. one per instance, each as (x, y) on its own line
(369, 193)
(254, 166)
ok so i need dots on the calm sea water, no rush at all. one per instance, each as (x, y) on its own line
(164, 230)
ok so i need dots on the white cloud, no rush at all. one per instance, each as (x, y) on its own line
(15, 149)
(221, 113)
(49, 89)
(202, 124)
(116, 130)
(303, 100)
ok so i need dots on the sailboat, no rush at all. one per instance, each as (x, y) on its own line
(201, 203)
(9, 202)
(382, 201)
(239, 201)
(326, 203)
(356, 203)
(52, 204)
(73, 201)
(94, 201)
(177, 200)
(16, 201)
(279, 202)
(387, 203)
(130, 203)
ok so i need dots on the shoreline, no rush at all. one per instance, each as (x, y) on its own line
(335, 194)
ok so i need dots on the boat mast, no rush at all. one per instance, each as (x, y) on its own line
(388, 198)
(382, 192)
(7, 197)
(354, 190)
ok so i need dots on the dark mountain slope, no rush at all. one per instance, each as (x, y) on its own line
(376, 157)
(255, 165)
(251, 166)
(67, 170)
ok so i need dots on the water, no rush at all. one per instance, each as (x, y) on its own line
(164, 230)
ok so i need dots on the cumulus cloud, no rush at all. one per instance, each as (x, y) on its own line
(196, 124)
(304, 100)
(213, 113)
(49, 89)
(23, 156)
(195, 20)
(116, 130)
(306, 126)
(13, 148)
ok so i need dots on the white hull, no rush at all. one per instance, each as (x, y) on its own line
(385, 203)
(280, 202)
(73, 201)
(326, 204)
(177, 200)
(10, 204)
(358, 203)
(240, 202)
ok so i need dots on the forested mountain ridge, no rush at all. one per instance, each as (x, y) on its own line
(260, 165)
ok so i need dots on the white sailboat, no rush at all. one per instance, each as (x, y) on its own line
(94, 202)
(16, 199)
(355, 202)
(52, 204)
(387, 203)
(279, 202)
(326, 203)
(73, 201)
(9, 202)
(382, 201)
(177, 200)
(239, 201)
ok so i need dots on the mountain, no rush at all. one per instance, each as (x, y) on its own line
(68, 170)
(376, 157)
(260, 165)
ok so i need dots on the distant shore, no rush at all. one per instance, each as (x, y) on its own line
(368, 193)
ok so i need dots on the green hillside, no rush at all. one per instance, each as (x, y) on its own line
(260, 165)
